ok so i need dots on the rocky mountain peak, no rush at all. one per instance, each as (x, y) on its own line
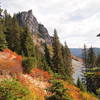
(30, 12)
(28, 18)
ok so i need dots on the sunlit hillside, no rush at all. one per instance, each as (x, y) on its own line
(37, 81)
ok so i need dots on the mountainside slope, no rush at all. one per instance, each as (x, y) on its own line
(38, 81)
(77, 94)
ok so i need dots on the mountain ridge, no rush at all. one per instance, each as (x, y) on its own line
(78, 51)
(27, 17)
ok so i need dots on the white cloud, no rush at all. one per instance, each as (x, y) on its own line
(77, 21)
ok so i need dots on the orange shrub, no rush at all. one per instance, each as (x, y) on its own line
(38, 73)
(7, 51)
(11, 54)
(19, 58)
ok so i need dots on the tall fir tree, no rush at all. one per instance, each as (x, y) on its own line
(58, 65)
(12, 32)
(98, 61)
(91, 79)
(16, 32)
(80, 85)
(84, 55)
(91, 58)
(47, 55)
(1, 10)
(3, 42)
(27, 44)
(67, 61)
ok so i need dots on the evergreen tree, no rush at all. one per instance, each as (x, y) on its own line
(6, 14)
(27, 44)
(58, 66)
(98, 61)
(58, 91)
(84, 55)
(91, 58)
(80, 85)
(8, 29)
(67, 62)
(43, 64)
(16, 31)
(78, 82)
(47, 55)
(12, 32)
(1, 12)
(28, 64)
(3, 42)
(91, 79)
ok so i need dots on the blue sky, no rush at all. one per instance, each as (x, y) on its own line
(77, 21)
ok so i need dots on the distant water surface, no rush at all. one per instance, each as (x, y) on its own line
(77, 68)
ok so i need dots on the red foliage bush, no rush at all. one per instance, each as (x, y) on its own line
(38, 73)
(19, 58)
(11, 53)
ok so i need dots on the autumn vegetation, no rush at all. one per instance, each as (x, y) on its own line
(26, 73)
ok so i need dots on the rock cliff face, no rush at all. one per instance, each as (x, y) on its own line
(33, 25)
(28, 18)
(44, 34)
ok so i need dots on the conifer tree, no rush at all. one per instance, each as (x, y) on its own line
(6, 14)
(3, 42)
(16, 31)
(98, 61)
(12, 31)
(91, 58)
(27, 44)
(84, 55)
(58, 66)
(47, 55)
(1, 12)
(58, 91)
(91, 79)
(80, 85)
(8, 30)
(68, 61)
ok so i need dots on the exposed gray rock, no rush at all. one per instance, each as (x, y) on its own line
(27, 18)
(44, 34)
